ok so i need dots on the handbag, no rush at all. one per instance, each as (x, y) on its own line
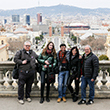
(73, 76)
(50, 76)
(15, 72)
(38, 67)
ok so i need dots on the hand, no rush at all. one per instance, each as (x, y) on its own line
(92, 80)
(45, 66)
(24, 61)
(76, 78)
(46, 62)
(80, 57)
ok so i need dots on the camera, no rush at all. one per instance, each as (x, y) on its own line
(62, 68)
(73, 69)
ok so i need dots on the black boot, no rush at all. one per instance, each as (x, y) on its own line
(47, 99)
(41, 100)
(75, 98)
(72, 96)
(47, 93)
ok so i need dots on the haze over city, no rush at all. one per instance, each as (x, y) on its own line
(19, 4)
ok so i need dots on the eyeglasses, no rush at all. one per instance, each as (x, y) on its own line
(86, 49)
(27, 45)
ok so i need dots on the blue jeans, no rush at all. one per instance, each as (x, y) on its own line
(84, 82)
(62, 83)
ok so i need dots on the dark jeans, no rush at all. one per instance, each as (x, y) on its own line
(43, 73)
(84, 82)
(70, 80)
(25, 78)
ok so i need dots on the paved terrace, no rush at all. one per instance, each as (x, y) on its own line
(12, 104)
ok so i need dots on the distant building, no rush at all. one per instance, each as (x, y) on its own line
(4, 21)
(27, 19)
(4, 52)
(76, 26)
(44, 28)
(39, 18)
(15, 18)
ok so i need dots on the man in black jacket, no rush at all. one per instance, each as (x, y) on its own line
(26, 60)
(90, 69)
(63, 72)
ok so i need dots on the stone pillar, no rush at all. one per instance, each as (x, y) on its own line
(50, 30)
(1, 80)
(107, 44)
(62, 30)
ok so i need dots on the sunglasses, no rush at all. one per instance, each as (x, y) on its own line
(27, 45)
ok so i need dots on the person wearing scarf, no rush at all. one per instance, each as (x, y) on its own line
(48, 61)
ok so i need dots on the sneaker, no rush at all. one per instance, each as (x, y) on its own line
(64, 99)
(29, 99)
(89, 102)
(21, 101)
(82, 102)
(59, 100)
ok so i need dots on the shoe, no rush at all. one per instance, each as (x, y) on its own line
(90, 102)
(41, 100)
(59, 100)
(82, 102)
(21, 102)
(64, 99)
(47, 99)
(29, 99)
(75, 98)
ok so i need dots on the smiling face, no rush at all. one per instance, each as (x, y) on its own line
(87, 50)
(27, 46)
(74, 52)
(50, 46)
(63, 48)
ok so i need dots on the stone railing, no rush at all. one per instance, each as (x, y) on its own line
(9, 86)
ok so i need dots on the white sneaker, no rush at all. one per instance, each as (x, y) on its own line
(21, 101)
(29, 99)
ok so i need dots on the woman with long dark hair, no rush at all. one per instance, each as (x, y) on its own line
(48, 61)
(74, 65)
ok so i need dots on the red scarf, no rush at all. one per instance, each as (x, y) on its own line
(49, 51)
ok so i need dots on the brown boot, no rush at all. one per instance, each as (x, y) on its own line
(59, 100)
(64, 99)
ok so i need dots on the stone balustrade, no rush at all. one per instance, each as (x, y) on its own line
(9, 86)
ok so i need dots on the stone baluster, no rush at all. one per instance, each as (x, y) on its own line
(96, 87)
(104, 81)
(10, 81)
(1, 80)
(35, 87)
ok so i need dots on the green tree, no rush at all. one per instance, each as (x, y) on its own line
(103, 57)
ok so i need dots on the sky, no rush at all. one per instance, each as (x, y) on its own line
(21, 4)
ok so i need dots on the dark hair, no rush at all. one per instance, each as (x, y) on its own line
(62, 45)
(77, 54)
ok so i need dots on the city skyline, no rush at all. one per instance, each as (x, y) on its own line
(21, 4)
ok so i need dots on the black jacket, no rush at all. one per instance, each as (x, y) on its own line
(90, 66)
(23, 55)
(75, 66)
(67, 58)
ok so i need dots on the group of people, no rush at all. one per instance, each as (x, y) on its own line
(71, 66)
